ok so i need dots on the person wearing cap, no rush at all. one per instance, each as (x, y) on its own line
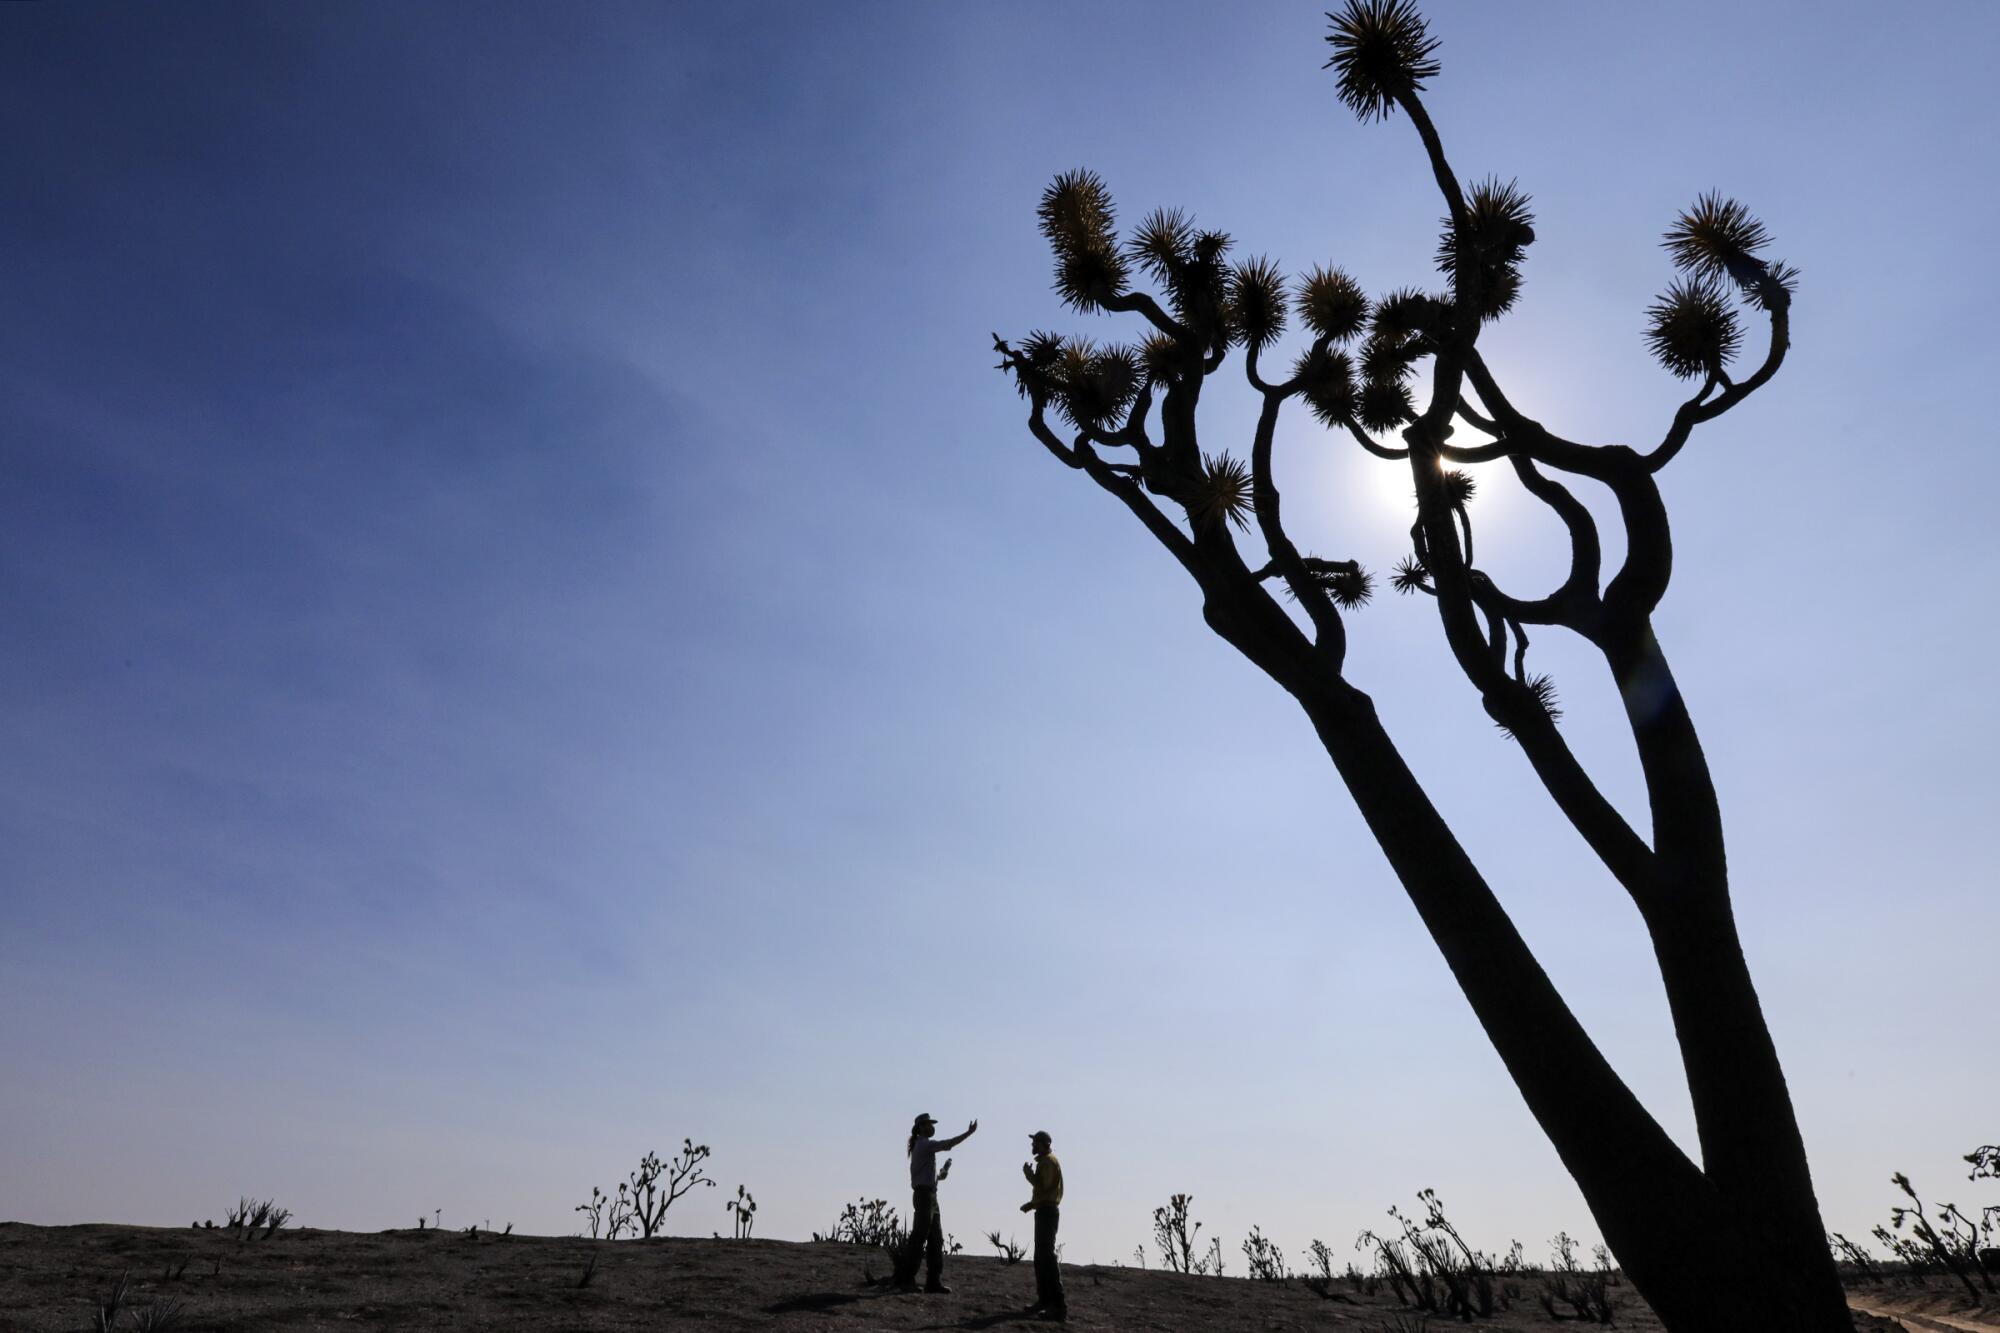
(1045, 1175)
(926, 1227)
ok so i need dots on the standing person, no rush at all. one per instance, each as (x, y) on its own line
(926, 1227)
(1045, 1175)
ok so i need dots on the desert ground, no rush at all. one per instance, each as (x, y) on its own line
(55, 1279)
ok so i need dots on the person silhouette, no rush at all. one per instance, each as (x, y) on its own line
(1045, 1176)
(926, 1226)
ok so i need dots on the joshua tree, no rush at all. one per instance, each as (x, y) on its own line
(1736, 1241)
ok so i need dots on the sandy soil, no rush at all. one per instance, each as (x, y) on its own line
(1935, 1306)
(52, 1279)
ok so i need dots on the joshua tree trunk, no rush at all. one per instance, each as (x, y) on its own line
(1735, 1243)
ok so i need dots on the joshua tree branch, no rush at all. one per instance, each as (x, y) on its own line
(1133, 433)
(1368, 442)
(1472, 417)
(1522, 434)
(1038, 426)
(1313, 563)
(1680, 792)
(1115, 479)
(1124, 438)
(1624, 853)
(1496, 621)
(1257, 381)
(1447, 180)
(1121, 484)
(1235, 605)
(1649, 551)
(1575, 603)
(1586, 552)
(1297, 382)
(1147, 306)
(1466, 278)
(1330, 635)
(1608, 834)
(1695, 411)
(1512, 703)
(1438, 547)
(1504, 447)
(1670, 755)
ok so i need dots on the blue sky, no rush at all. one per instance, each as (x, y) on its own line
(534, 629)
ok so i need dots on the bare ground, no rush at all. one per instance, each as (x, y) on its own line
(52, 1280)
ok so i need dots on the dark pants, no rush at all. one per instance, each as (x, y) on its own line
(1048, 1278)
(926, 1238)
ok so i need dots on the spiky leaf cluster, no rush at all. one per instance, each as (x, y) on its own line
(1189, 264)
(1406, 314)
(1223, 494)
(1719, 238)
(1775, 289)
(1326, 381)
(1407, 325)
(1401, 332)
(1035, 361)
(1714, 237)
(1092, 387)
(1198, 290)
(1499, 228)
(1080, 222)
(1163, 241)
(1162, 358)
(1459, 488)
(1383, 405)
(1345, 582)
(1381, 52)
(1331, 304)
(1349, 588)
(1692, 328)
(1389, 359)
(1541, 690)
(1410, 576)
(1256, 303)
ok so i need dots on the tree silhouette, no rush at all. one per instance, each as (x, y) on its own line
(1736, 1242)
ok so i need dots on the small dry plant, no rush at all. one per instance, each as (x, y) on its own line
(1586, 1291)
(250, 1219)
(1952, 1240)
(1175, 1232)
(743, 1209)
(608, 1214)
(1266, 1260)
(867, 1222)
(155, 1318)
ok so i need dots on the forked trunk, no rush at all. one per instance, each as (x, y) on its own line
(1736, 1249)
